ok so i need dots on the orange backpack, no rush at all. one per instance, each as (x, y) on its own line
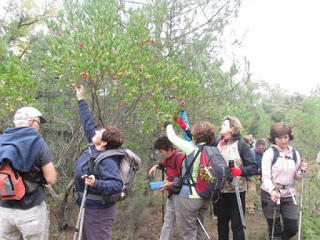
(11, 183)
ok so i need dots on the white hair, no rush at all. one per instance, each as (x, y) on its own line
(24, 122)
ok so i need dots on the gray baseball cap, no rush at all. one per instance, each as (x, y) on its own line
(28, 113)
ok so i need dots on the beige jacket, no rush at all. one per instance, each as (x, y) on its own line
(230, 152)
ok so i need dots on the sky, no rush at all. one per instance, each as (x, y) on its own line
(282, 42)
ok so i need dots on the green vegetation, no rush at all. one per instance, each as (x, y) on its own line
(136, 61)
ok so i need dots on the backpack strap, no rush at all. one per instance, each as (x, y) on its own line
(276, 155)
(95, 197)
(188, 174)
(174, 160)
(294, 154)
(241, 142)
(108, 153)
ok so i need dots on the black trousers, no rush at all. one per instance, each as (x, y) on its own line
(288, 211)
(227, 209)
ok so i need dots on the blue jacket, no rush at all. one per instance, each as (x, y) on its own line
(109, 182)
(257, 157)
(21, 146)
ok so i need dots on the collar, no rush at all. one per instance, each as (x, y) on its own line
(224, 141)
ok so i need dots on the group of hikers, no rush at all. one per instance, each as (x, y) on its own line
(279, 166)
(275, 169)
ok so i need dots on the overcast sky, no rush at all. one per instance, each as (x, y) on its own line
(283, 41)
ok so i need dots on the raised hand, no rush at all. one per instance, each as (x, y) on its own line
(182, 104)
(80, 92)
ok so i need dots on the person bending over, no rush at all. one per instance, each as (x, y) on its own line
(171, 164)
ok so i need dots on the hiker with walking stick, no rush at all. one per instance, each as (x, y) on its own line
(232, 199)
(96, 210)
(281, 165)
(192, 207)
(171, 165)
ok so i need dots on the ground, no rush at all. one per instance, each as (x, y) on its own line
(150, 227)
(256, 227)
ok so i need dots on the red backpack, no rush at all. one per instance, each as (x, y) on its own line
(11, 183)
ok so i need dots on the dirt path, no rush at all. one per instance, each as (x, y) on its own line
(256, 227)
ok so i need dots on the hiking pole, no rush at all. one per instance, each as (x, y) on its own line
(79, 225)
(162, 198)
(301, 202)
(236, 186)
(204, 229)
(275, 208)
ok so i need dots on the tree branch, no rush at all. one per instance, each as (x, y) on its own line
(53, 194)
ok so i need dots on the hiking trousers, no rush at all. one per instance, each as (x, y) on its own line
(187, 219)
(97, 224)
(228, 209)
(287, 209)
(170, 217)
(29, 224)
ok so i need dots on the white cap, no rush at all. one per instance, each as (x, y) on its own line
(26, 113)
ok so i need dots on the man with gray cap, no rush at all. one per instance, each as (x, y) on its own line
(30, 155)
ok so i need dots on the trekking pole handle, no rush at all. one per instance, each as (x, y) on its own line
(231, 163)
(277, 190)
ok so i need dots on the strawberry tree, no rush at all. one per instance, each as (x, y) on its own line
(129, 80)
(118, 60)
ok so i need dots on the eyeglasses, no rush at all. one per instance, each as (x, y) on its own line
(35, 121)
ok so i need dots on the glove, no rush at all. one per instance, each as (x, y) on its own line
(236, 172)
(181, 123)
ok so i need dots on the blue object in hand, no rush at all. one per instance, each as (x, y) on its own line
(156, 185)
